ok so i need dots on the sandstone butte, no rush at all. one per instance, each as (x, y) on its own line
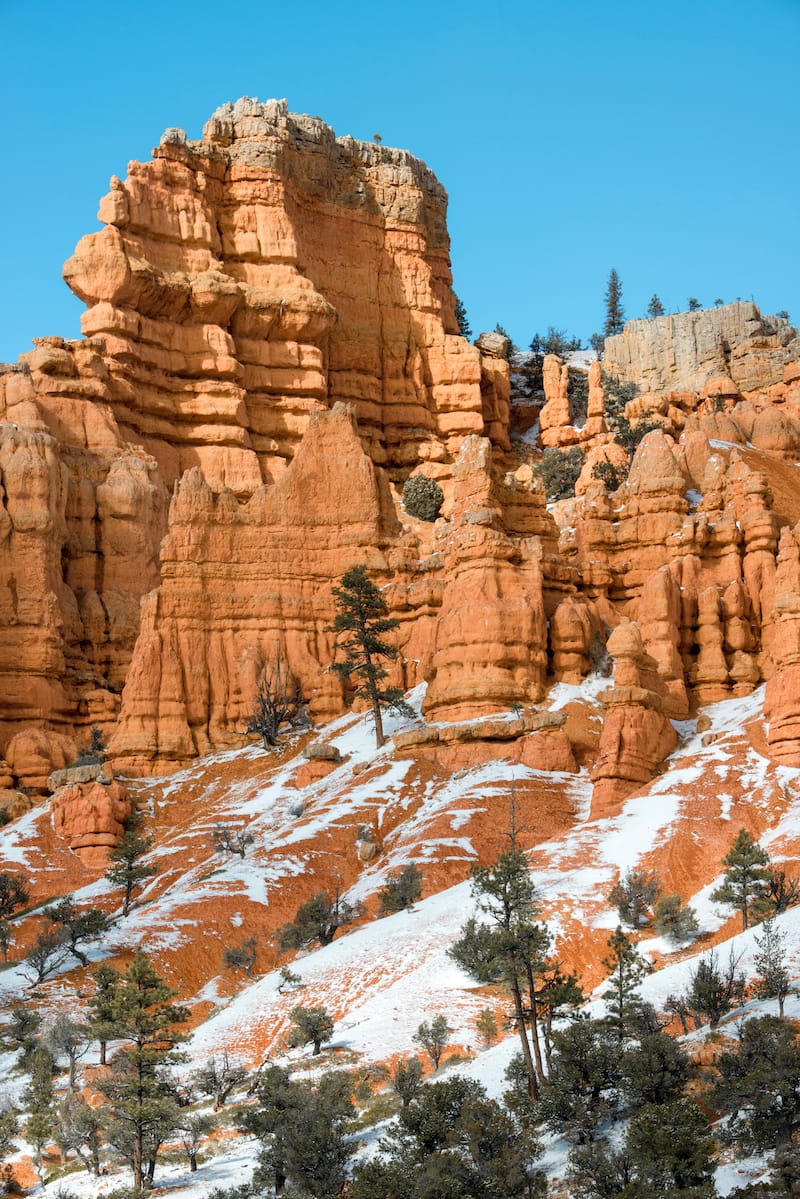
(270, 350)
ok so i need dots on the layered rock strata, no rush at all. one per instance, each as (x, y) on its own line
(270, 338)
(240, 286)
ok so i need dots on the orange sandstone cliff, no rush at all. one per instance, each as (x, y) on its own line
(270, 350)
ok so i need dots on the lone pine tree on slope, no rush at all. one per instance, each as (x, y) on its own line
(360, 623)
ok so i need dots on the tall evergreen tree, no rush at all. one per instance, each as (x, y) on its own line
(360, 624)
(773, 980)
(615, 313)
(760, 1084)
(141, 1102)
(497, 951)
(462, 318)
(40, 1103)
(745, 885)
(127, 871)
(626, 970)
(302, 1127)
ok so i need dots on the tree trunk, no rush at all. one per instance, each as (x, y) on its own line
(380, 740)
(137, 1160)
(533, 1086)
(102, 1053)
(192, 1161)
(548, 1040)
(534, 1023)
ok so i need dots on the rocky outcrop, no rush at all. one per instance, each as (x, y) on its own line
(240, 286)
(717, 351)
(636, 735)
(91, 817)
(782, 698)
(490, 636)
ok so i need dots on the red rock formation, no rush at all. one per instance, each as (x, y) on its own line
(241, 284)
(636, 734)
(782, 698)
(91, 817)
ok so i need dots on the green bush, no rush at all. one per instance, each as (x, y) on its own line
(578, 396)
(422, 497)
(612, 476)
(559, 470)
(617, 394)
(95, 754)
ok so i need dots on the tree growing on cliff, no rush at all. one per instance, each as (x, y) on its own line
(745, 884)
(655, 307)
(312, 1026)
(318, 919)
(360, 625)
(77, 925)
(127, 871)
(615, 313)
(278, 701)
(13, 894)
(143, 1109)
(462, 318)
(634, 895)
(401, 890)
(433, 1037)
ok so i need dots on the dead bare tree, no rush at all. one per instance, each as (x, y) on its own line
(278, 701)
(231, 840)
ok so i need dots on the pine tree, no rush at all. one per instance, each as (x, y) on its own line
(127, 870)
(359, 624)
(673, 920)
(634, 895)
(101, 1020)
(433, 1038)
(462, 318)
(745, 885)
(302, 1128)
(759, 1084)
(142, 1107)
(615, 313)
(496, 952)
(406, 1080)
(773, 980)
(694, 304)
(581, 1089)
(714, 992)
(655, 307)
(671, 1151)
(654, 1071)
(313, 1026)
(401, 890)
(318, 919)
(13, 894)
(626, 970)
(78, 925)
(39, 1099)
(486, 1025)
(451, 1142)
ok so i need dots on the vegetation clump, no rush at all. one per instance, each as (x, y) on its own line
(422, 497)
(559, 471)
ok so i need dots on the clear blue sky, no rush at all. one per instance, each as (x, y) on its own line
(659, 139)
